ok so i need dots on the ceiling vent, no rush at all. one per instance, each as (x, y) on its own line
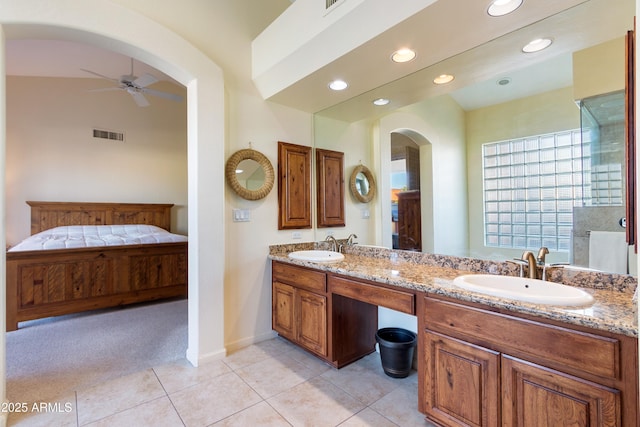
(330, 3)
(108, 134)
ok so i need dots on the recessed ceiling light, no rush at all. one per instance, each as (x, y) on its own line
(503, 7)
(403, 55)
(381, 101)
(239, 171)
(443, 79)
(338, 85)
(503, 81)
(537, 45)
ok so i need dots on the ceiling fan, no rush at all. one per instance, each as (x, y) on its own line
(135, 86)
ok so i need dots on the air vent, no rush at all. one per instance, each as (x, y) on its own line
(331, 3)
(108, 134)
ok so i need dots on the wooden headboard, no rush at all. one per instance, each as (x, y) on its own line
(46, 215)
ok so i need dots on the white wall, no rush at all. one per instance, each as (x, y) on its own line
(247, 270)
(440, 121)
(52, 155)
(354, 140)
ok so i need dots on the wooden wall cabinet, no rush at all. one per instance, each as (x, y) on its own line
(330, 181)
(294, 186)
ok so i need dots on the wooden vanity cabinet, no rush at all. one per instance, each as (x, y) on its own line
(299, 306)
(481, 367)
(329, 315)
(462, 382)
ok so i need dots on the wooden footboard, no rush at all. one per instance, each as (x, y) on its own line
(51, 283)
(64, 281)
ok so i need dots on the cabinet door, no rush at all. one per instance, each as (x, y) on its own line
(537, 396)
(294, 186)
(282, 310)
(312, 321)
(409, 221)
(461, 384)
(330, 183)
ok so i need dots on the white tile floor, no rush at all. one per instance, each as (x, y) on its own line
(272, 383)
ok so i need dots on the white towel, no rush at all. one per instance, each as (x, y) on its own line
(608, 251)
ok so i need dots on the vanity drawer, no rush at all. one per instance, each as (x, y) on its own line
(372, 294)
(299, 277)
(556, 345)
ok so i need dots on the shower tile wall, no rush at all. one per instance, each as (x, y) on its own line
(588, 218)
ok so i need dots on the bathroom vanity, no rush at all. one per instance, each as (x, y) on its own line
(482, 360)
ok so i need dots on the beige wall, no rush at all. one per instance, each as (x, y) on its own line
(549, 112)
(354, 140)
(599, 69)
(437, 126)
(52, 155)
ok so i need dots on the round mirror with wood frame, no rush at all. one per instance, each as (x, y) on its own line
(232, 178)
(362, 184)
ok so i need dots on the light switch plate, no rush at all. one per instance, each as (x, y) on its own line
(241, 215)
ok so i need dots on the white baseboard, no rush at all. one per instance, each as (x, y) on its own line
(195, 359)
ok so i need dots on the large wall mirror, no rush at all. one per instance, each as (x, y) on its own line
(250, 174)
(500, 94)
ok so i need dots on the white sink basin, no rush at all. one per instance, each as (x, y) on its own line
(524, 289)
(317, 256)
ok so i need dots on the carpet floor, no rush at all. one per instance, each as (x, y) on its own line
(51, 357)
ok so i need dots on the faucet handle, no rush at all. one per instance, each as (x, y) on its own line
(541, 254)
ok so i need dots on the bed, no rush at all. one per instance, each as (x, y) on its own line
(62, 278)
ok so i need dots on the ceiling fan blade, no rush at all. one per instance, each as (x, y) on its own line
(101, 76)
(145, 80)
(166, 95)
(139, 98)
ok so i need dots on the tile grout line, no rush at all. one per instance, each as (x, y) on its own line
(169, 397)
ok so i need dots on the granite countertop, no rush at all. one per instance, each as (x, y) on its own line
(614, 309)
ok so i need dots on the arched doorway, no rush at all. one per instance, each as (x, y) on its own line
(92, 22)
(410, 167)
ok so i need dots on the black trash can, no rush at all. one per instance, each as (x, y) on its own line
(396, 351)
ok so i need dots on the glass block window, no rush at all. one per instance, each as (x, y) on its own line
(530, 188)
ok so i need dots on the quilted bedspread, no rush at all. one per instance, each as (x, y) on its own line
(84, 236)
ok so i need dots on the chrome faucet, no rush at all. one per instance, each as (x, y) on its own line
(350, 239)
(334, 243)
(530, 258)
(541, 254)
